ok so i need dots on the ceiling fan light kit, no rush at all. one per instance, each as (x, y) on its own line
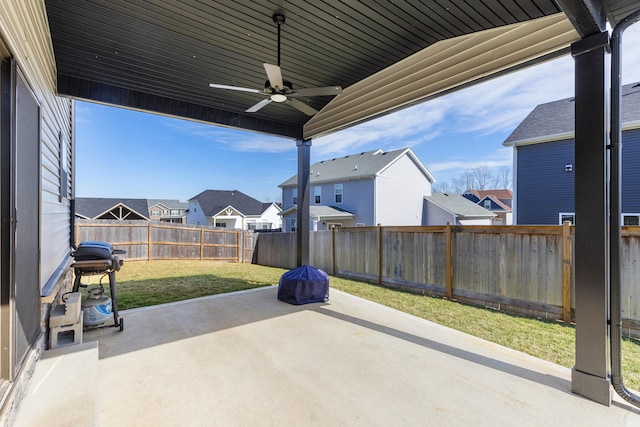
(279, 90)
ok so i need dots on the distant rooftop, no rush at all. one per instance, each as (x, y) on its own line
(366, 164)
(556, 120)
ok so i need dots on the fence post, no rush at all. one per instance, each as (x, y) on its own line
(448, 263)
(333, 251)
(239, 236)
(379, 245)
(201, 242)
(149, 241)
(566, 271)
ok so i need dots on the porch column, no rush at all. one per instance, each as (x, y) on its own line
(302, 232)
(589, 376)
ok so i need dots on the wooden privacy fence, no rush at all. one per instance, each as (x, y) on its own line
(144, 240)
(527, 270)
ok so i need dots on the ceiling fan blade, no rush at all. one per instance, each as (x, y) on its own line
(274, 74)
(317, 91)
(301, 106)
(258, 106)
(242, 89)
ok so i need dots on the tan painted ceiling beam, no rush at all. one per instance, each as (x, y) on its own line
(441, 67)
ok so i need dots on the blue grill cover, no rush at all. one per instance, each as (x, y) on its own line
(304, 285)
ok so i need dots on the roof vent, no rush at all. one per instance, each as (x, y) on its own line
(636, 85)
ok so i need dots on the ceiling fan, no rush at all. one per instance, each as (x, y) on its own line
(276, 89)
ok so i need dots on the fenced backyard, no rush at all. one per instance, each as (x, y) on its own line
(520, 269)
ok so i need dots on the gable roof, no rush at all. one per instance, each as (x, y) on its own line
(556, 120)
(498, 202)
(500, 193)
(322, 211)
(92, 207)
(212, 202)
(458, 205)
(366, 164)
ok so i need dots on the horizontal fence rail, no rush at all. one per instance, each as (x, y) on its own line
(526, 270)
(145, 240)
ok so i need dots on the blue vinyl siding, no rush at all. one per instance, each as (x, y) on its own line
(544, 188)
(631, 171)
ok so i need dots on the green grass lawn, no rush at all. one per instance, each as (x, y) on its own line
(144, 283)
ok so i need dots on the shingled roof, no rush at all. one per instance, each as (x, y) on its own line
(93, 207)
(458, 205)
(556, 120)
(212, 202)
(366, 164)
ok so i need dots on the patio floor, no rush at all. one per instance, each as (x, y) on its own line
(247, 359)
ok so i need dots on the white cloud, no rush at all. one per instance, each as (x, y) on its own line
(234, 140)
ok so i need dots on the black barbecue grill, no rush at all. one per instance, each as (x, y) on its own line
(95, 258)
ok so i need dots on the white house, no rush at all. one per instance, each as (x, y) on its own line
(363, 189)
(233, 209)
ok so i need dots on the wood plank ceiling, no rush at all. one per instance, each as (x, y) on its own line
(160, 55)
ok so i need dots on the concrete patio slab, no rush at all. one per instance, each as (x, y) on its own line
(247, 359)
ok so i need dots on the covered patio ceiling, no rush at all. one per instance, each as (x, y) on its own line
(160, 55)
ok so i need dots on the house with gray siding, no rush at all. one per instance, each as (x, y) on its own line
(543, 162)
(443, 208)
(362, 189)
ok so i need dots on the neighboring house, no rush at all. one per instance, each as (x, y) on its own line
(442, 208)
(233, 209)
(114, 209)
(364, 189)
(166, 210)
(497, 201)
(543, 158)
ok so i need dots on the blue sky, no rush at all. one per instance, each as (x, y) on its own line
(128, 154)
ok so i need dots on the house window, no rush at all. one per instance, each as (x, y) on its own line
(566, 216)
(293, 224)
(337, 191)
(294, 199)
(316, 194)
(360, 224)
(155, 212)
(487, 204)
(175, 212)
(633, 219)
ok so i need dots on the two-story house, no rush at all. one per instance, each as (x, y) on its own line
(168, 210)
(543, 158)
(363, 189)
(233, 209)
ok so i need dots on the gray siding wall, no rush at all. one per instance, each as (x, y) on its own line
(23, 26)
(434, 215)
(357, 197)
(287, 197)
(544, 188)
